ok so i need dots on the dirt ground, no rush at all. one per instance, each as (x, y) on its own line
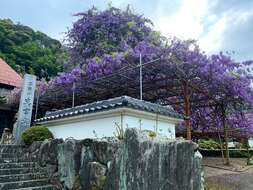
(231, 178)
(237, 164)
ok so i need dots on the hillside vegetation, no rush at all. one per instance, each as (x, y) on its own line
(29, 51)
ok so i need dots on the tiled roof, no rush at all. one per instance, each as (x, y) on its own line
(123, 101)
(8, 76)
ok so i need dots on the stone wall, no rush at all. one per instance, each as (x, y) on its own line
(136, 163)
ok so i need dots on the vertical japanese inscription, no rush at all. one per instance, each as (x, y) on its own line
(25, 107)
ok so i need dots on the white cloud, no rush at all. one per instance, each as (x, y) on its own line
(212, 40)
(121, 3)
(199, 20)
(242, 16)
(187, 22)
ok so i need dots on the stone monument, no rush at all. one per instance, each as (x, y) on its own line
(25, 107)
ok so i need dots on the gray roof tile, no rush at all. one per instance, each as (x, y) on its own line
(123, 101)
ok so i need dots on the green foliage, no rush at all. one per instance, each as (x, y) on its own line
(36, 133)
(240, 154)
(232, 153)
(152, 134)
(244, 145)
(215, 186)
(29, 51)
(208, 144)
(120, 132)
(250, 162)
(98, 183)
(77, 183)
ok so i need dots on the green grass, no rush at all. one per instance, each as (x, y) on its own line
(214, 186)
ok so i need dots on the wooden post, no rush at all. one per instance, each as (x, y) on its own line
(225, 127)
(187, 110)
(73, 94)
(221, 146)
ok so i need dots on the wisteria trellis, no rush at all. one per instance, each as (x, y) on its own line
(211, 90)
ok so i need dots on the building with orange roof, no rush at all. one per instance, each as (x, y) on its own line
(9, 80)
(8, 77)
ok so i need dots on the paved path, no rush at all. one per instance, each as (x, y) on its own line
(231, 180)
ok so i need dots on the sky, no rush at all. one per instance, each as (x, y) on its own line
(217, 25)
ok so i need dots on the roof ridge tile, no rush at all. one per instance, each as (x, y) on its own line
(112, 103)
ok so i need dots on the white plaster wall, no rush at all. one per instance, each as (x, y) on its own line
(164, 128)
(104, 125)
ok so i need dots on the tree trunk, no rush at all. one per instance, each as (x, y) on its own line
(227, 160)
(248, 156)
(221, 146)
(187, 110)
(225, 127)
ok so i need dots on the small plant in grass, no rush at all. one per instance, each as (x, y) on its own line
(152, 134)
(36, 133)
(120, 132)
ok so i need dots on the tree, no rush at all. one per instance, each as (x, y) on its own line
(110, 32)
(29, 51)
(210, 89)
(229, 86)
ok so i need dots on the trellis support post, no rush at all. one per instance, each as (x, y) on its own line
(187, 110)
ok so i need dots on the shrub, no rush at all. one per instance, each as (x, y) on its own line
(240, 154)
(36, 133)
(232, 153)
(245, 145)
(208, 144)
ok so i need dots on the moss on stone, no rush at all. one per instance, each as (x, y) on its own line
(101, 180)
(99, 183)
(77, 183)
